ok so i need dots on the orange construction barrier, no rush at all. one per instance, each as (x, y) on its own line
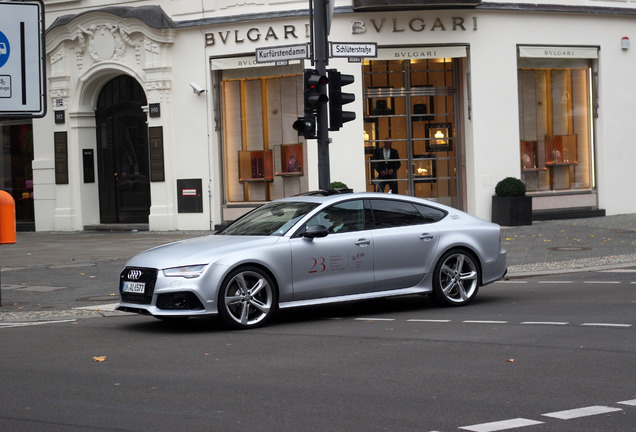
(7, 218)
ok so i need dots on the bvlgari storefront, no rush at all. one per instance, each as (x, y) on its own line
(410, 96)
(461, 105)
(418, 98)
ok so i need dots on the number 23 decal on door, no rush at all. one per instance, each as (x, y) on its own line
(318, 265)
(333, 263)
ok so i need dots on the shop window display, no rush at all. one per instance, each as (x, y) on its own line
(290, 160)
(555, 125)
(263, 157)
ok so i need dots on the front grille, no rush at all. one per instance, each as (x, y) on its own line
(147, 276)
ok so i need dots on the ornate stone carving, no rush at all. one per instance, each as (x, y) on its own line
(153, 51)
(57, 63)
(162, 87)
(103, 42)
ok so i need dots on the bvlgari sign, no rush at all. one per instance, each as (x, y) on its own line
(573, 52)
(373, 25)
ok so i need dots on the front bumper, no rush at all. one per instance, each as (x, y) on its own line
(161, 296)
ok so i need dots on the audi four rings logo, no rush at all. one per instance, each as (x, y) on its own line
(134, 274)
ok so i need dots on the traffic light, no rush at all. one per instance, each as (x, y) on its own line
(337, 117)
(306, 126)
(314, 91)
(314, 96)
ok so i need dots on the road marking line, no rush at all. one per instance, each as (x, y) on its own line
(102, 307)
(605, 325)
(582, 412)
(619, 271)
(512, 281)
(39, 288)
(556, 282)
(429, 320)
(544, 323)
(375, 319)
(34, 323)
(629, 402)
(484, 322)
(602, 282)
(501, 425)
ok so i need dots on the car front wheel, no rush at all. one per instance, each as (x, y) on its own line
(456, 278)
(247, 298)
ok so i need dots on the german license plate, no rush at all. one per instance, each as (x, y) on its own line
(134, 287)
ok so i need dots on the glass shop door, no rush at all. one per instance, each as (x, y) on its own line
(410, 128)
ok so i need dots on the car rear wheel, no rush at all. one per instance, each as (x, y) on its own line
(456, 278)
(247, 298)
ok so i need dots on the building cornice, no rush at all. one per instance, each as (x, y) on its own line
(556, 8)
(505, 7)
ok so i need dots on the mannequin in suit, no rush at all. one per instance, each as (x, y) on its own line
(386, 165)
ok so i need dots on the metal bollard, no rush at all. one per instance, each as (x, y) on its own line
(7, 218)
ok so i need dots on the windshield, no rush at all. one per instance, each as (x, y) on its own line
(272, 219)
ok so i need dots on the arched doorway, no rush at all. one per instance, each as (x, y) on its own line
(122, 152)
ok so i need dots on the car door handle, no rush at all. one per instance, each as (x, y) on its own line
(427, 237)
(363, 242)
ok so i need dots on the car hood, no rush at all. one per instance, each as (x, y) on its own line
(198, 250)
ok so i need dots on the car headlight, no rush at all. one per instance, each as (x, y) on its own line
(188, 272)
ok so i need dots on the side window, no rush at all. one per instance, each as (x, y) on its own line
(391, 213)
(347, 216)
(430, 214)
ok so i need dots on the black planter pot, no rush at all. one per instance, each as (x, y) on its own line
(512, 211)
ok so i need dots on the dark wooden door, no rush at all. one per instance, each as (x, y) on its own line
(122, 151)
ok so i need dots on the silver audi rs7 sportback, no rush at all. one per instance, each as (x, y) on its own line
(314, 249)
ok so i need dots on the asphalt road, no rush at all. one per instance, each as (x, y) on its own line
(552, 353)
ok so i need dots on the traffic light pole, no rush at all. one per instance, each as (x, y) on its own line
(321, 59)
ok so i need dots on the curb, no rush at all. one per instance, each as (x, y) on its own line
(576, 265)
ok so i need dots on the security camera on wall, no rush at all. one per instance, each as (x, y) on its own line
(197, 88)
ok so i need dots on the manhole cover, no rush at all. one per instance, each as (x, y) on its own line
(569, 248)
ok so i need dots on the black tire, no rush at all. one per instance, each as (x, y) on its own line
(456, 278)
(247, 298)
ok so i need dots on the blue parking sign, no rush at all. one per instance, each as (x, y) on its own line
(5, 49)
(22, 54)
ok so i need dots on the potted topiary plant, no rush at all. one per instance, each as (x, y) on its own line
(340, 187)
(510, 205)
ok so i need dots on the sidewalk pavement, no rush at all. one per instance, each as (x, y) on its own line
(544, 247)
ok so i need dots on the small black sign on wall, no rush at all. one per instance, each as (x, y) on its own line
(89, 165)
(60, 142)
(189, 196)
(155, 143)
(59, 117)
(154, 110)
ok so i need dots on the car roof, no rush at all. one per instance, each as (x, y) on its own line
(322, 197)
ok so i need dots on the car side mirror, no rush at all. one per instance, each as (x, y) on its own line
(316, 231)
